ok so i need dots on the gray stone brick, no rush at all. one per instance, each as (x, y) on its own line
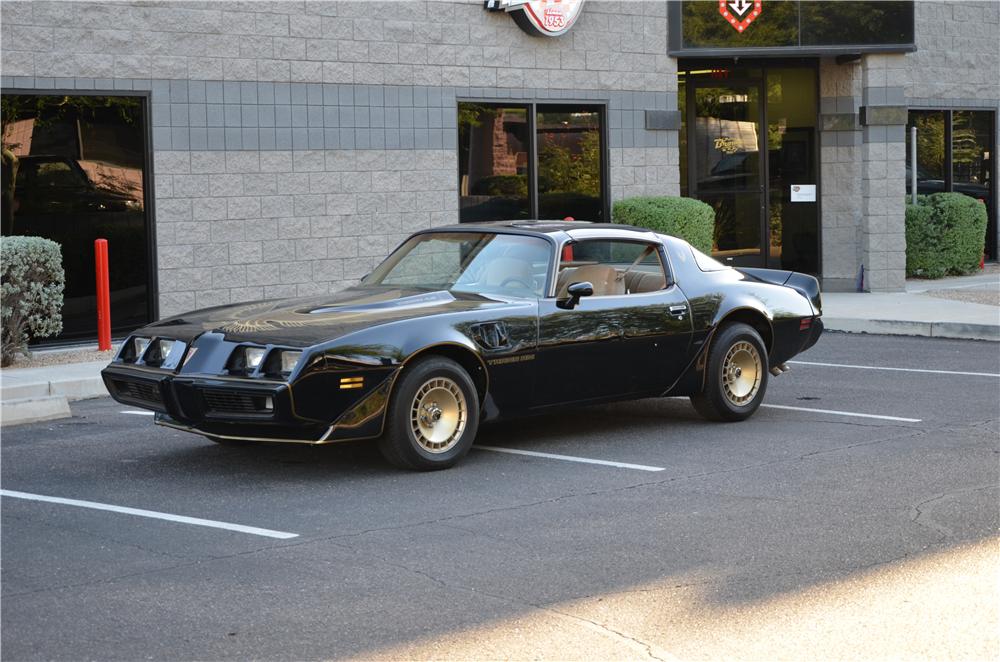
(261, 184)
(225, 185)
(244, 207)
(309, 205)
(210, 255)
(246, 252)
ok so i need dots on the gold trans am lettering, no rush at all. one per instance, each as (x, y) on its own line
(511, 359)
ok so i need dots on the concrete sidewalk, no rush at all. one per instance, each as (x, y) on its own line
(925, 309)
(44, 393)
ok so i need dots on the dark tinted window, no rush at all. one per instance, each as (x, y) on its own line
(530, 161)
(493, 153)
(704, 27)
(80, 176)
(931, 165)
(569, 163)
(791, 24)
(850, 22)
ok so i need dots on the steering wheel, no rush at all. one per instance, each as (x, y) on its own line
(519, 281)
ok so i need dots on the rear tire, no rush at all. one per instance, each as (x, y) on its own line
(433, 416)
(736, 375)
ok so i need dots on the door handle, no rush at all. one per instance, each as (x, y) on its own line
(678, 311)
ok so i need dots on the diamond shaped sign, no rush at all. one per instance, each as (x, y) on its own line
(740, 13)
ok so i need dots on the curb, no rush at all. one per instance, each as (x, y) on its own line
(956, 330)
(32, 410)
(28, 401)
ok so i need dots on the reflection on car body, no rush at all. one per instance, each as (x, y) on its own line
(472, 323)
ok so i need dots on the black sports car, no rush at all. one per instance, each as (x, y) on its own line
(471, 323)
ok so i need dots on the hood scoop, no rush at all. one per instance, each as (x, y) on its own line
(397, 303)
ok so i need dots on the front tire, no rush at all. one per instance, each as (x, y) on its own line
(736, 375)
(433, 416)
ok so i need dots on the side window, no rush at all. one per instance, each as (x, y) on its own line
(613, 267)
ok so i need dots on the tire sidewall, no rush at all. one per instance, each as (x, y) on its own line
(729, 336)
(401, 432)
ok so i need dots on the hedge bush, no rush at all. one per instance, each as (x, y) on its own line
(945, 234)
(32, 282)
(687, 218)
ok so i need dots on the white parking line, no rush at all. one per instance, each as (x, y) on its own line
(196, 521)
(570, 458)
(875, 367)
(844, 413)
(137, 413)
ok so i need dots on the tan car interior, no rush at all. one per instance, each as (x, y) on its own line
(609, 281)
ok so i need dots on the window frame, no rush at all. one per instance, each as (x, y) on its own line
(992, 224)
(532, 104)
(149, 187)
(668, 280)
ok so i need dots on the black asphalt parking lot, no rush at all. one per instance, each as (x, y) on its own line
(513, 553)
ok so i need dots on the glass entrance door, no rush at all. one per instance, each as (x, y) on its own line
(726, 170)
(748, 149)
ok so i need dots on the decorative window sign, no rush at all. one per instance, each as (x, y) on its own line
(739, 14)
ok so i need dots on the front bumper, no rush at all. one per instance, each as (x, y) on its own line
(223, 407)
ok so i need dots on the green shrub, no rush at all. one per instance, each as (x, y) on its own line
(945, 234)
(32, 280)
(687, 218)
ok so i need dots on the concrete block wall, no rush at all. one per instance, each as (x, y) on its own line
(883, 187)
(840, 174)
(295, 143)
(958, 54)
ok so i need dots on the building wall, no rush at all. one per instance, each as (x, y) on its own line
(863, 167)
(958, 54)
(295, 143)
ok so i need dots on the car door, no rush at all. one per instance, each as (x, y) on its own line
(631, 337)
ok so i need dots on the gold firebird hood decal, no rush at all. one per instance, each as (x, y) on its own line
(253, 318)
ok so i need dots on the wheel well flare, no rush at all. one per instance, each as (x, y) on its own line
(469, 360)
(755, 319)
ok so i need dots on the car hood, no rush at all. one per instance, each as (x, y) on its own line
(307, 321)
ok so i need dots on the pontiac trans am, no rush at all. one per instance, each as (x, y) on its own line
(471, 323)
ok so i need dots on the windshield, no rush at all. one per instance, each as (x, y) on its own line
(477, 262)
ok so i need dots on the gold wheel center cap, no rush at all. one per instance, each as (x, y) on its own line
(432, 414)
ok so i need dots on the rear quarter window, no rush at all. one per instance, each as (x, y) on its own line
(706, 263)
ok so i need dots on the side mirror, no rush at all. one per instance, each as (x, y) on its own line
(575, 291)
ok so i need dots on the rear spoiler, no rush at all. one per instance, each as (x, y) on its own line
(804, 284)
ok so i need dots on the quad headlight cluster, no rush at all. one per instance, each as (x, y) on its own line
(154, 352)
(275, 362)
(245, 360)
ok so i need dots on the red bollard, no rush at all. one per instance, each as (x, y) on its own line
(103, 295)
